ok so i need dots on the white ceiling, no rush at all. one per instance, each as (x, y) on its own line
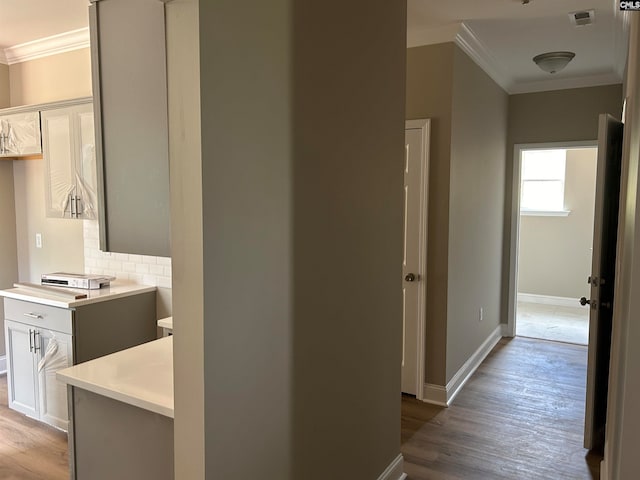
(502, 36)
(23, 21)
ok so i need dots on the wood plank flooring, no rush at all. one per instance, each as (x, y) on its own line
(29, 450)
(520, 416)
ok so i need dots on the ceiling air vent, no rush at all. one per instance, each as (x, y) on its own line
(583, 17)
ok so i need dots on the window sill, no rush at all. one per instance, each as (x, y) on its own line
(545, 213)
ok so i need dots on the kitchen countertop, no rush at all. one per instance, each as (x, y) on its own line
(141, 376)
(115, 290)
(166, 323)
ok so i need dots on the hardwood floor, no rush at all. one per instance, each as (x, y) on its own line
(520, 417)
(29, 450)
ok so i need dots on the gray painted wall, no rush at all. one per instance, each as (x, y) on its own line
(5, 97)
(555, 252)
(8, 252)
(429, 95)
(299, 229)
(555, 116)
(476, 206)
(468, 142)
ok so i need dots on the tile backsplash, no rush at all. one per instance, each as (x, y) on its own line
(140, 269)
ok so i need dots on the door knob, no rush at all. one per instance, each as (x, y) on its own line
(593, 303)
(410, 277)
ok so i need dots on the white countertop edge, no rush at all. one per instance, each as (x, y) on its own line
(152, 406)
(166, 323)
(116, 290)
(100, 376)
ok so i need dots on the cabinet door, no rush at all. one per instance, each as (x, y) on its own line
(59, 157)
(54, 352)
(20, 134)
(69, 154)
(22, 382)
(130, 101)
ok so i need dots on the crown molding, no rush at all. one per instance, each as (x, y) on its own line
(44, 47)
(432, 36)
(468, 41)
(3, 58)
(596, 80)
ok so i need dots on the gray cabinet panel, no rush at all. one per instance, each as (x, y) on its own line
(130, 103)
(112, 440)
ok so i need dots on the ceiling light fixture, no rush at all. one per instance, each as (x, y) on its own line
(553, 62)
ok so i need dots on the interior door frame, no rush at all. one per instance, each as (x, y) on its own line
(514, 217)
(424, 124)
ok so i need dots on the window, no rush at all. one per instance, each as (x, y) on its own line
(542, 182)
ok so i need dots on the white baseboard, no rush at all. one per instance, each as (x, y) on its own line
(395, 470)
(548, 300)
(504, 331)
(3, 364)
(443, 396)
(435, 394)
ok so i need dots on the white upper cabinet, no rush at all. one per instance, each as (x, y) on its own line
(70, 160)
(20, 134)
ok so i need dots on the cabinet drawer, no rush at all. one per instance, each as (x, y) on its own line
(36, 314)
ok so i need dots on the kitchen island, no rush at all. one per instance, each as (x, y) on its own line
(121, 414)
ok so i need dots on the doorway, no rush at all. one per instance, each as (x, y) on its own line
(555, 243)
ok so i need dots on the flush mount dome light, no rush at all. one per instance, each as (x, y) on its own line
(553, 62)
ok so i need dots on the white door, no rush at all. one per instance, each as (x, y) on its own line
(22, 384)
(54, 352)
(605, 230)
(415, 253)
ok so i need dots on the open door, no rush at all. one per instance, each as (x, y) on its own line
(414, 263)
(605, 232)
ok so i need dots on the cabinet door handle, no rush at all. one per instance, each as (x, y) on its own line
(37, 316)
(36, 347)
(30, 340)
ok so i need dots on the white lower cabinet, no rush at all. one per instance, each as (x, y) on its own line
(42, 339)
(55, 353)
(34, 355)
(22, 384)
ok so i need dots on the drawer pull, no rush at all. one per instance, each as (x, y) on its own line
(37, 316)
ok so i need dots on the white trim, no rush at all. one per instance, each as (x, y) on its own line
(548, 300)
(3, 364)
(3, 58)
(44, 47)
(545, 213)
(434, 394)
(514, 224)
(504, 330)
(395, 470)
(596, 80)
(424, 125)
(469, 42)
(604, 472)
(432, 36)
(444, 396)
